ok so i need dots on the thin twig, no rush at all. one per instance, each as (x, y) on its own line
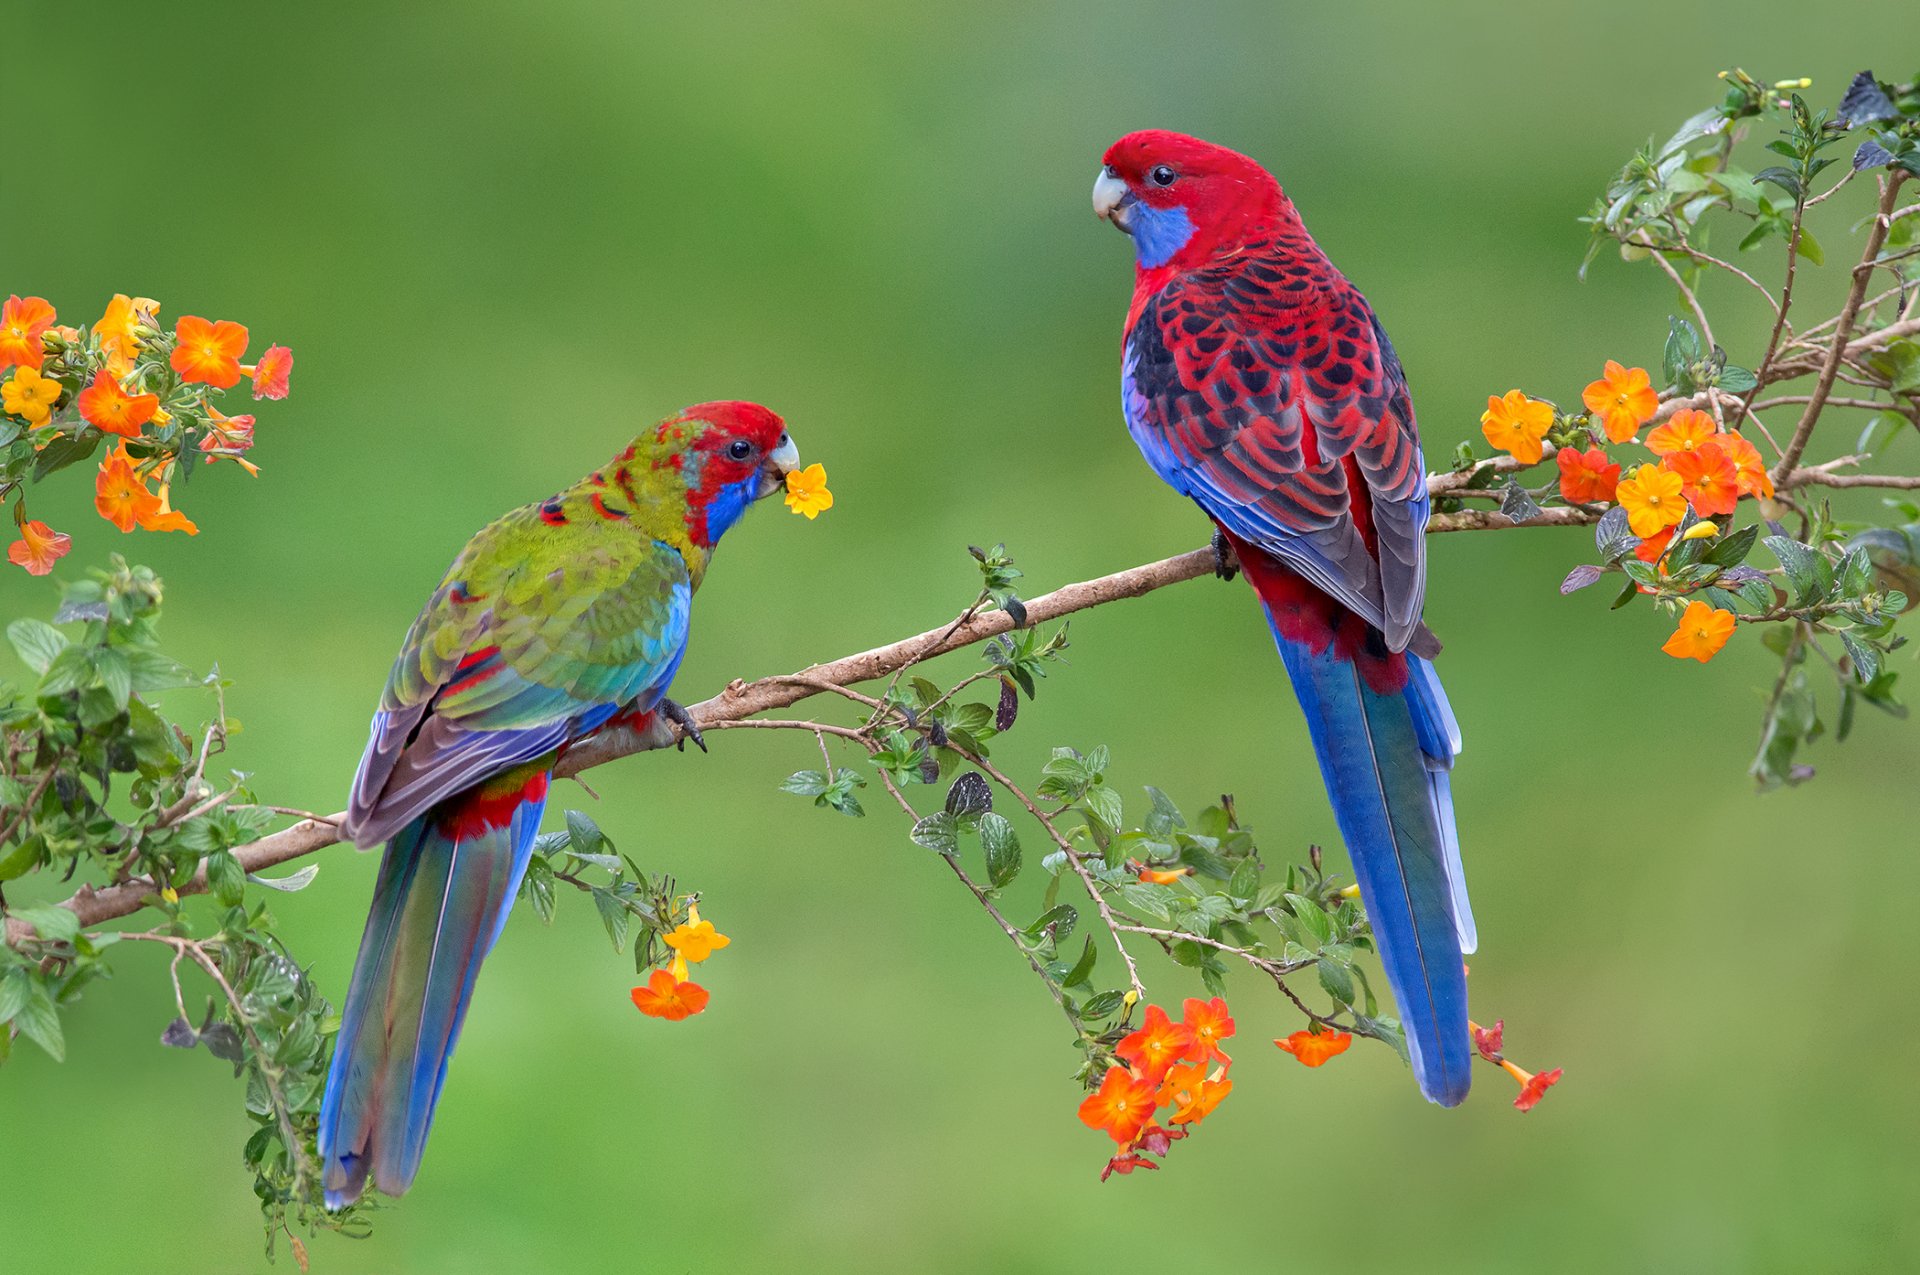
(1862, 275)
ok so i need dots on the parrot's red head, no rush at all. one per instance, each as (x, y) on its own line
(731, 454)
(1183, 199)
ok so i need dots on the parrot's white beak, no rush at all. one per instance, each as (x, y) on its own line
(780, 462)
(1111, 198)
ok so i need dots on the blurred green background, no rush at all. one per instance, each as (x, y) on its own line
(501, 237)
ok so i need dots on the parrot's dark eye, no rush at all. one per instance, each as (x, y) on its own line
(1161, 175)
(740, 449)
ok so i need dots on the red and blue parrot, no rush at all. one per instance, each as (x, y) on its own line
(1257, 381)
(560, 619)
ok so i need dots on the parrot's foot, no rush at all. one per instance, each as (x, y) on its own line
(1226, 564)
(680, 717)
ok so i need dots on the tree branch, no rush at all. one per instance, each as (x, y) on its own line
(743, 700)
(1862, 275)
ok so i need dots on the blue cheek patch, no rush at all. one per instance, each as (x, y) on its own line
(728, 504)
(1158, 233)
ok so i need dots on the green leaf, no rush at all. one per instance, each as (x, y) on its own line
(1810, 248)
(1083, 968)
(39, 1022)
(63, 451)
(1801, 565)
(1165, 816)
(37, 643)
(1785, 178)
(1732, 550)
(111, 667)
(289, 884)
(1683, 350)
(1313, 916)
(1737, 380)
(584, 835)
(225, 878)
(1060, 920)
(53, 922)
(1154, 900)
(613, 915)
(1245, 882)
(1336, 980)
(806, 783)
(938, 832)
(152, 671)
(16, 986)
(1002, 846)
(1104, 804)
(1103, 1005)
(1866, 660)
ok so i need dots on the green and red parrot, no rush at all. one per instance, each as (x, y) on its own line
(560, 619)
(1257, 382)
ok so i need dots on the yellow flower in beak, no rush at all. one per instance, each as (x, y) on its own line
(807, 491)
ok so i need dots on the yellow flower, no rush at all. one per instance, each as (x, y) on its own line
(807, 491)
(696, 940)
(1516, 423)
(1702, 632)
(1652, 500)
(1701, 530)
(30, 395)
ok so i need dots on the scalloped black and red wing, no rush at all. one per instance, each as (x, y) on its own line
(1265, 389)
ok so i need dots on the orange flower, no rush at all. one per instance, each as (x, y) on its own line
(1194, 1095)
(1684, 431)
(118, 340)
(208, 352)
(1652, 500)
(110, 409)
(271, 373)
(1752, 471)
(1711, 482)
(1654, 547)
(1703, 631)
(38, 547)
(23, 321)
(30, 396)
(1123, 1105)
(1158, 1044)
(164, 517)
(1623, 399)
(1515, 423)
(1183, 1078)
(1488, 1039)
(667, 997)
(1210, 1024)
(1532, 1087)
(1313, 1047)
(1159, 876)
(120, 494)
(1586, 477)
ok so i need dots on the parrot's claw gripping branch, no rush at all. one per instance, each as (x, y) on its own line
(1226, 564)
(676, 712)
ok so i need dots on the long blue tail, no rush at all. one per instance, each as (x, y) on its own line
(446, 884)
(1385, 758)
